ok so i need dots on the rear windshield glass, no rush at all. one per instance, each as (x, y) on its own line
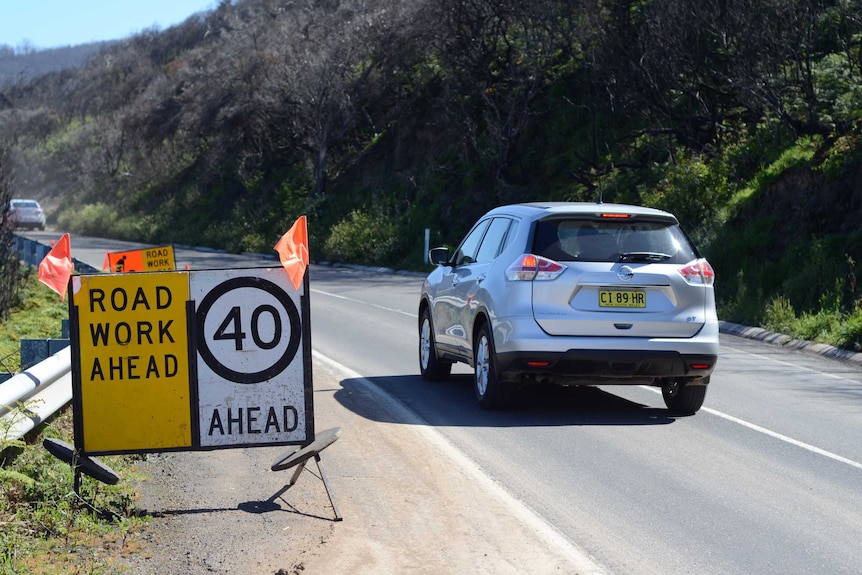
(23, 204)
(611, 241)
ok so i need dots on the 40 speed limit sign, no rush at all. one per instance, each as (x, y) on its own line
(169, 361)
(252, 382)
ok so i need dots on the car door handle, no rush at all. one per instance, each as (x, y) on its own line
(454, 281)
(481, 278)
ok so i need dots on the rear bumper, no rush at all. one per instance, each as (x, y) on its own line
(603, 366)
(29, 222)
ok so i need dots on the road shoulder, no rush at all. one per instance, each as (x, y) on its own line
(411, 503)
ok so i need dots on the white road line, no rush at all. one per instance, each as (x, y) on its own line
(787, 363)
(336, 296)
(775, 435)
(726, 416)
(585, 564)
(784, 438)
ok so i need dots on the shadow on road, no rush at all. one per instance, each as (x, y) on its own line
(451, 403)
(253, 507)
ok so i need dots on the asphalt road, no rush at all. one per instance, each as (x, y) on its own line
(766, 478)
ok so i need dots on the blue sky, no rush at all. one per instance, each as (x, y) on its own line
(52, 23)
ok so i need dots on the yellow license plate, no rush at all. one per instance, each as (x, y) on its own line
(622, 298)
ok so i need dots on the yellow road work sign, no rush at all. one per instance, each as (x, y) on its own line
(133, 342)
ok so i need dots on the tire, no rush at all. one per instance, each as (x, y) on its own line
(683, 398)
(490, 392)
(431, 367)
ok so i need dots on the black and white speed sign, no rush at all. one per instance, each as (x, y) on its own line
(253, 357)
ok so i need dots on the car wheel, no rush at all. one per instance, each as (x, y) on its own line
(679, 397)
(490, 392)
(431, 367)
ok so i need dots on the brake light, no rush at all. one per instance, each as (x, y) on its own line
(529, 267)
(698, 272)
(616, 216)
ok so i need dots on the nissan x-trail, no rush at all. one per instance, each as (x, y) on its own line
(572, 294)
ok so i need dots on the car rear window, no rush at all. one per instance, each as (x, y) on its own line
(24, 204)
(605, 241)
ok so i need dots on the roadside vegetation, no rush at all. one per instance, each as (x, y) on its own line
(12, 273)
(45, 528)
(37, 314)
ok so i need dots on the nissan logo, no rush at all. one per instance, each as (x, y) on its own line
(626, 273)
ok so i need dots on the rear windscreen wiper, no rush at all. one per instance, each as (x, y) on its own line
(644, 256)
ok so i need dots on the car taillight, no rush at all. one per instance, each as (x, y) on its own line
(530, 267)
(698, 272)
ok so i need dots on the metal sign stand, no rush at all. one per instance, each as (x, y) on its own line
(300, 458)
(82, 465)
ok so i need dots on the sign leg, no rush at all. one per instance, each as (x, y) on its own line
(323, 478)
(300, 458)
(296, 473)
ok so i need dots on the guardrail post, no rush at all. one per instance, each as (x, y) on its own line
(34, 351)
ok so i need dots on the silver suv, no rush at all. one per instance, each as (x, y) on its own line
(572, 294)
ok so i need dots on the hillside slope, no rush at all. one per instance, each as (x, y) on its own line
(382, 118)
(18, 67)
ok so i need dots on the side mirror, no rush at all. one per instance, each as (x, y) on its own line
(439, 256)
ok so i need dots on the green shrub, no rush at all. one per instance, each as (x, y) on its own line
(813, 271)
(818, 326)
(843, 155)
(848, 332)
(692, 191)
(779, 316)
(827, 325)
(362, 238)
(837, 85)
(797, 155)
(92, 220)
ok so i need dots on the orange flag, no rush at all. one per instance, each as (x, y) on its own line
(292, 250)
(56, 268)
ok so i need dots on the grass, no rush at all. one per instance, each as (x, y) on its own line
(834, 327)
(39, 315)
(46, 528)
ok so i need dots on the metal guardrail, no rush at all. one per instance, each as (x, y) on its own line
(32, 253)
(29, 398)
(34, 395)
